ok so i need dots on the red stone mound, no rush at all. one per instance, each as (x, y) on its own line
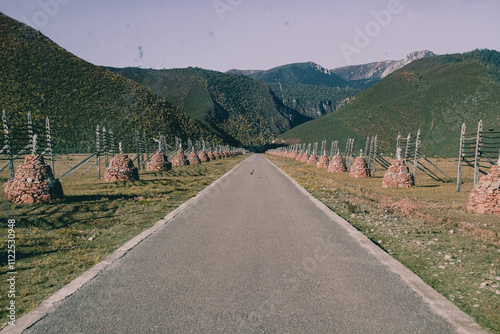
(159, 161)
(305, 157)
(485, 196)
(323, 162)
(337, 165)
(179, 159)
(359, 170)
(203, 156)
(211, 155)
(121, 168)
(313, 160)
(217, 155)
(397, 176)
(33, 183)
(193, 159)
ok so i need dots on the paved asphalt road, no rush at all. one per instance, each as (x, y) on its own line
(253, 255)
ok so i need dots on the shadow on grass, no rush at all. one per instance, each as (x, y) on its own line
(20, 256)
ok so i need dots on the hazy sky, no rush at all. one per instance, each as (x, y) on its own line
(258, 34)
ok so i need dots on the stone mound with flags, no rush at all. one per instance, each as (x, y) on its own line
(121, 168)
(33, 182)
(159, 161)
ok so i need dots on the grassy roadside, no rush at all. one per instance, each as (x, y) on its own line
(57, 242)
(426, 228)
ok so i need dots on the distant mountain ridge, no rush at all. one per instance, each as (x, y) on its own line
(433, 94)
(354, 76)
(307, 73)
(380, 69)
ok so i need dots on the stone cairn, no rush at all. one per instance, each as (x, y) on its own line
(323, 160)
(217, 155)
(398, 175)
(313, 158)
(159, 161)
(121, 168)
(359, 169)
(211, 155)
(485, 196)
(180, 159)
(193, 158)
(33, 183)
(337, 164)
(203, 156)
(306, 155)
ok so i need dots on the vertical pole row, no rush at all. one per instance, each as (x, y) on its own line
(476, 157)
(461, 157)
(7, 143)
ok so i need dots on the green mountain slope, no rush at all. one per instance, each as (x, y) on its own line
(435, 95)
(308, 73)
(241, 109)
(39, 76)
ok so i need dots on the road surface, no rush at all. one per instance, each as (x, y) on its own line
(254, 255)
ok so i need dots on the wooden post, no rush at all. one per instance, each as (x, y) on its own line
(138, 148)
(398, 142)
(105, 145)
(367, 144)
(146, 150)
(30, 127)
(111, 142)
(370, 155)
(98, 151)
(373, 167)
(407, 147)
(34, 144)
(478, 145)
(49, 145)
(460, 158)
(7, 143)
(415, 158)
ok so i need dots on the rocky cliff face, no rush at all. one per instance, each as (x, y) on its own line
(312, 109)
(378, 70)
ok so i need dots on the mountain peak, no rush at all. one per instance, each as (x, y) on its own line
(415, 55)
(378, 70)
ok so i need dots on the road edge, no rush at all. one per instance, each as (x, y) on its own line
(48, 305)
(462, 322)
